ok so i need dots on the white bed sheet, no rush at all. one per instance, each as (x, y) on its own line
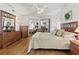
(48, 41)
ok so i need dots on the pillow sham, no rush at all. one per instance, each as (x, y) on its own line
(54, 32)
(69, 34)
(60, 32)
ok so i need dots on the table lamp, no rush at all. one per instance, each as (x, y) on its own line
(77, 31)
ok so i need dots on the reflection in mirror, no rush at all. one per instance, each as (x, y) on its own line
(39, 25)
(8, 24)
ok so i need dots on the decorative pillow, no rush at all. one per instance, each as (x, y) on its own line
(69, 34)
(54, 32)
(60, 32)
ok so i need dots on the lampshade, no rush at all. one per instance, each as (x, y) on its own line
(77, 30)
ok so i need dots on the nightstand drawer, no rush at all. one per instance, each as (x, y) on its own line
(74, 47)
(74, 52)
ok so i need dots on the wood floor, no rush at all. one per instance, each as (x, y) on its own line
(20, 48)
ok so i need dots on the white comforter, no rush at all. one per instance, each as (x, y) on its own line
(48, 41)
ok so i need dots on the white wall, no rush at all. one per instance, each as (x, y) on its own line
(75, 12)
(6, 7)
(54, 23)
(21, 20)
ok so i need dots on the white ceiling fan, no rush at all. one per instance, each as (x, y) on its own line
(40, 8)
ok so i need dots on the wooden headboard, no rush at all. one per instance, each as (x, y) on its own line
(70, 26)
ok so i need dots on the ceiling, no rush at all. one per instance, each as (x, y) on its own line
(37, 9)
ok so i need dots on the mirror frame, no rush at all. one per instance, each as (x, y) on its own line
(7, 15)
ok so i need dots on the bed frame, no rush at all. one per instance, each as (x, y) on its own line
(70, 26)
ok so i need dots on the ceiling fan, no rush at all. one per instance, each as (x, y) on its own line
(40, 8)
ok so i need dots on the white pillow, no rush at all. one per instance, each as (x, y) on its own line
(69, 34)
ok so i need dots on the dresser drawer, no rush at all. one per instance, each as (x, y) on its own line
(1, 40)
(10, 37)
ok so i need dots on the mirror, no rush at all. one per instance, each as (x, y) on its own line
(40, 25)
(8, 21)
(8, 24)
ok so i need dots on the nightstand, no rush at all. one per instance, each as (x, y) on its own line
(74, 47)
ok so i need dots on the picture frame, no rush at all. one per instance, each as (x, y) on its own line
(68, 15)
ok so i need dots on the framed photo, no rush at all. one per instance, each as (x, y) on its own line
(68, 15)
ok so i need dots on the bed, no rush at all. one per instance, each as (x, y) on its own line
(46, 40)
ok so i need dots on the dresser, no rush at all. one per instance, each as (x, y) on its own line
(8, 38)
(8, 35)
(24, 31)
(0, 39)
(74, 47)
